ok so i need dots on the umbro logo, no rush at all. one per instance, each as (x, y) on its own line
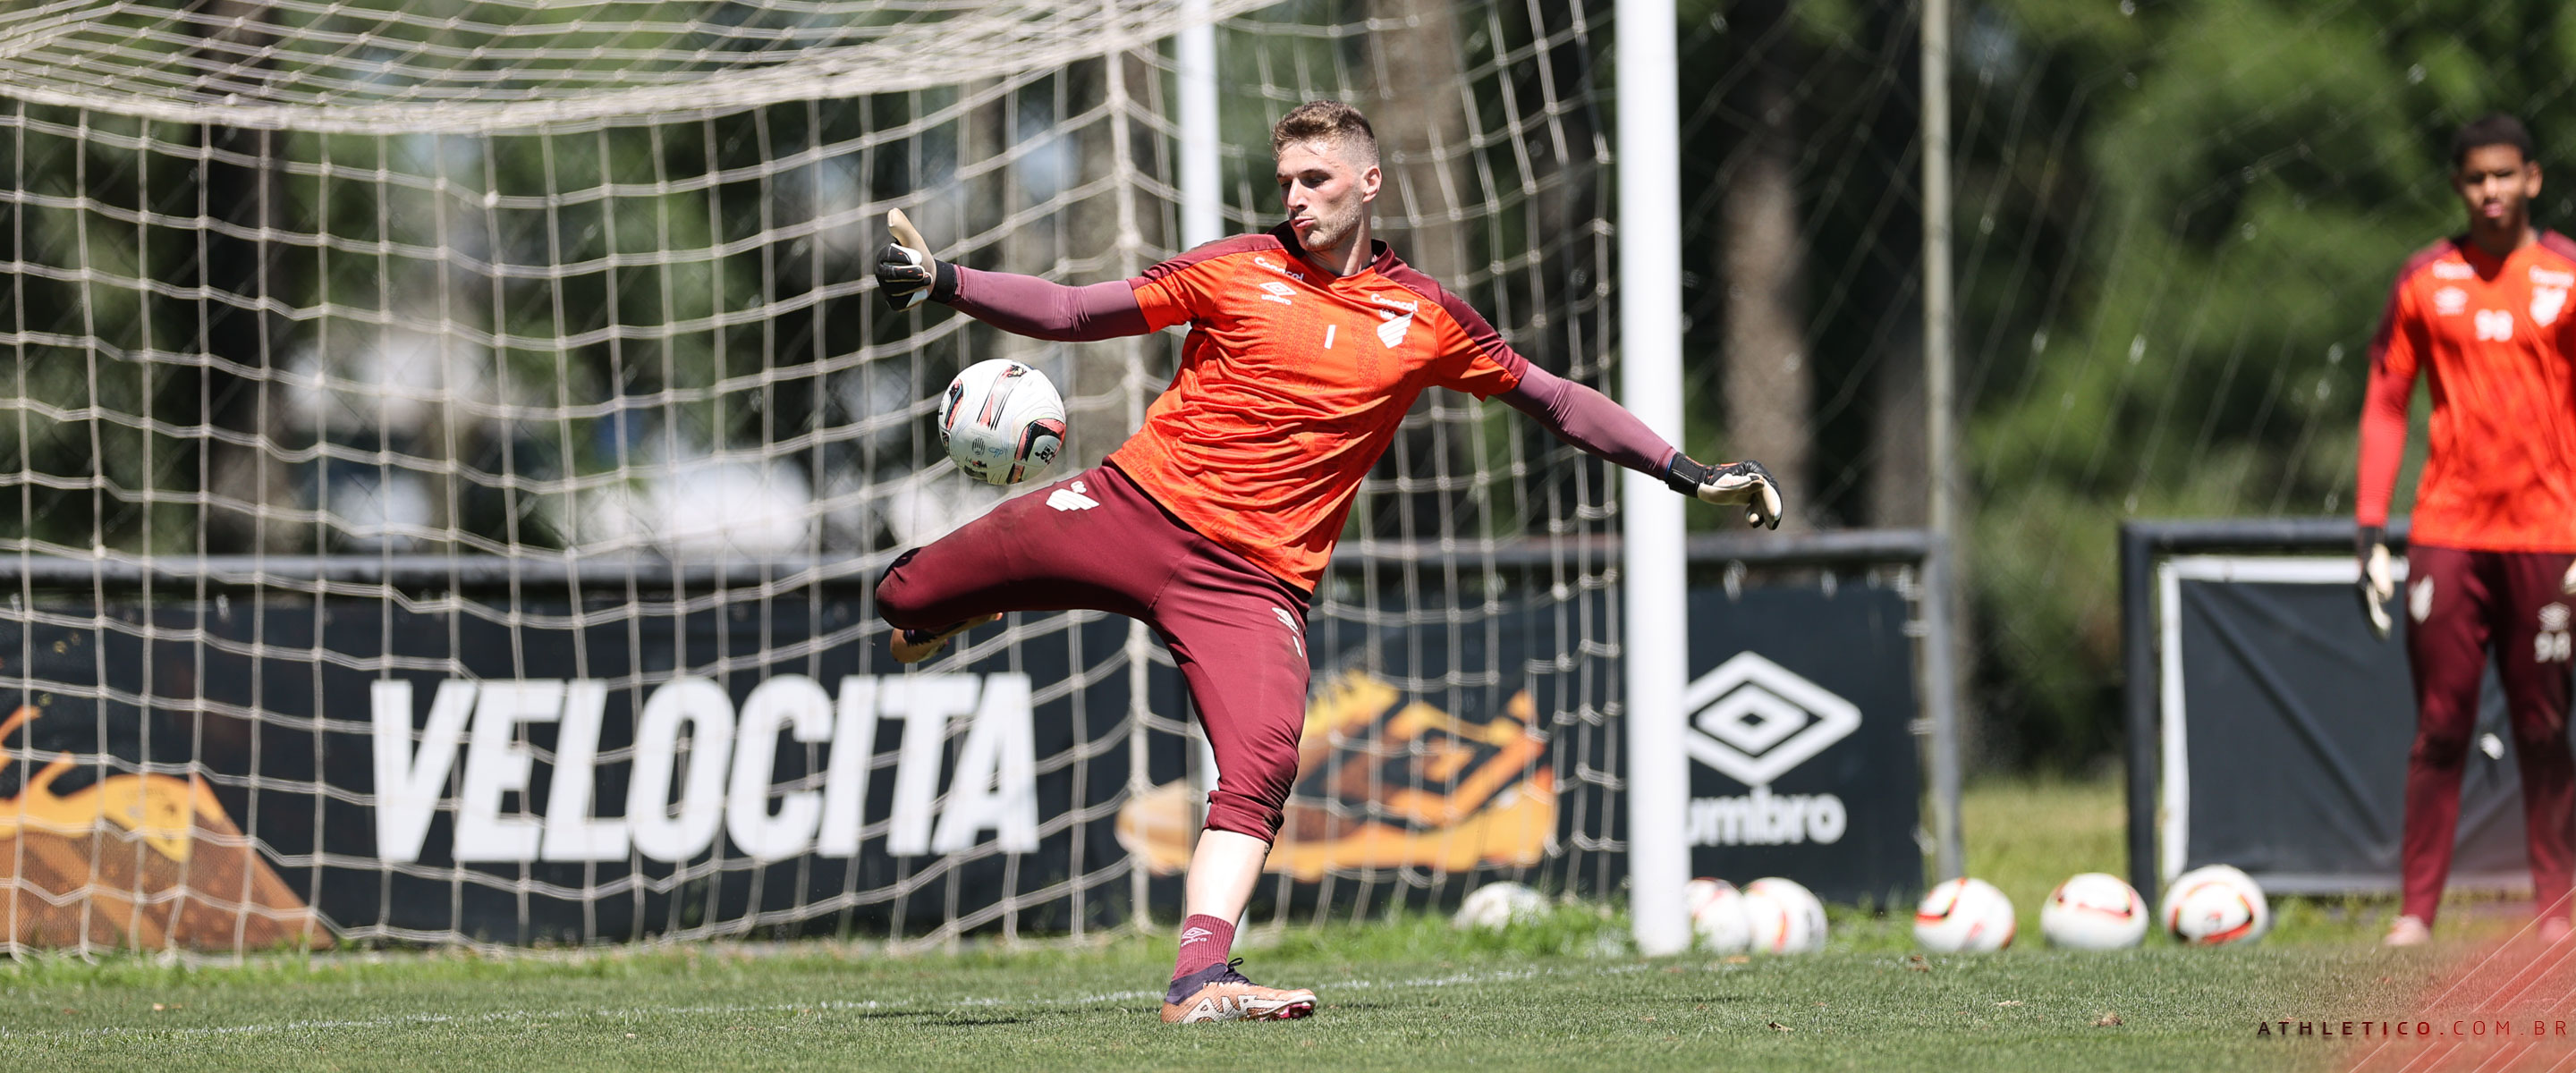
(1196, 935)
(1753, 719)
(1275, 291)
(1072, 498)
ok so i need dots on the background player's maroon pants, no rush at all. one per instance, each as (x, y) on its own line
(1095, 541)
(2477, 601)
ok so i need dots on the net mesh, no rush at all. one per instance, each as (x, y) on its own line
(451, 443)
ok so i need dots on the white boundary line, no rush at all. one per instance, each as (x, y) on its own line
(926, 1005)
(2173, 808)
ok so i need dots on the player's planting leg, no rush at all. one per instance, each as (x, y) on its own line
(2531, 631)
(1238, 634)
(2446, 642)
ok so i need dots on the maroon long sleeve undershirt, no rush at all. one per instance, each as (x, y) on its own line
(1039, 309)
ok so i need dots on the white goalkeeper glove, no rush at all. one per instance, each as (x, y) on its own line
(2370, 545)
(906, 272)
(1744, 484)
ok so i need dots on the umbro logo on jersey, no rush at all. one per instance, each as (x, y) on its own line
(1275, 291)
(2450, 301)
(2495, 324)
(1072, 498)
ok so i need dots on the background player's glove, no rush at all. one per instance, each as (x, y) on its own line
(906, 272)
(1744, 484)
(2568, 584)
(2370, 545)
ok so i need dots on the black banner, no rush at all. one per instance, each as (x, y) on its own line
(2294, 725)
(1802, 761)
(280, 769)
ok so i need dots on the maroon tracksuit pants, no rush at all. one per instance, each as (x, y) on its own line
(2462, 604)
(1095, 541)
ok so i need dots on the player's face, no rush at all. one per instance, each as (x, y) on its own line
(2497, 184)
(1327, 194)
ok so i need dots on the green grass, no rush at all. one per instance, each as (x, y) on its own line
(1409, 994)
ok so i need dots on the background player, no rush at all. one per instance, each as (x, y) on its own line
(1213, 523)
(2484, 316)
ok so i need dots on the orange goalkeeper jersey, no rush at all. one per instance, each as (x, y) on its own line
(2493, 337)
(1291, 384)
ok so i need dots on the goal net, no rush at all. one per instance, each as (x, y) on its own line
(450, 444)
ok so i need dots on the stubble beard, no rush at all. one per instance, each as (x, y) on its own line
(1331, 231)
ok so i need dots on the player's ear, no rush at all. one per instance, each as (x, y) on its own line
(2530, 179)
(1371, 178)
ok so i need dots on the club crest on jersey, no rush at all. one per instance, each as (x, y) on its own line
(2546, 302)
(2450, 301)
(1275, 291)
(1396, 324)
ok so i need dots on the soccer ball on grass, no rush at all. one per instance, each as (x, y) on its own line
(1783, 917)
(1001, 421)
(1964, 915)
(1496, 906)
(2094, 911)
(2215, 905)
(1717, 915)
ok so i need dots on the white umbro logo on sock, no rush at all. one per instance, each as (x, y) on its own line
(1072, 498)
(1195, 935)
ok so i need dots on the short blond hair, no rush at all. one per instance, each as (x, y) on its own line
(1326, 121)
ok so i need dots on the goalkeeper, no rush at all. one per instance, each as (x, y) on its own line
(1213, 523)
(2484, 317)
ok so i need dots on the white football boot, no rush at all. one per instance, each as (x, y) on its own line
(1218, 993)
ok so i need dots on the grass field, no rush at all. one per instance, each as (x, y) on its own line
(1410, 994)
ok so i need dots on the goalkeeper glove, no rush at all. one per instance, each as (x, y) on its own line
(2568, 584)
(2370, 545)
(1744, 484)
(905, 270)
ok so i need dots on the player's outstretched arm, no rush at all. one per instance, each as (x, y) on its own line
(1589, 420)
(1021, 305)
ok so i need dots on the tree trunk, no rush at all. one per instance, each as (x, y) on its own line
(1768, 373)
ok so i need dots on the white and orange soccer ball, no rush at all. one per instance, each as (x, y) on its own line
(1783, 917)
(1964, 915)
(2214, 906)
(1002, 421)
(1499, 905)
(2094, 911)
(1717, 915)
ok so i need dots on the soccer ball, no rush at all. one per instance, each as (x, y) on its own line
(1496, 906)
(1717, 915)
(1964, 915)
(1783, 917)
(1001, 421)
(2093, 911)
(2215, 905)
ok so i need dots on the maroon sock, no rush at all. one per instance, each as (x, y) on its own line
(1205, 941)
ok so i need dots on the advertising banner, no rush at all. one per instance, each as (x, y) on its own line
(299, 771)
(1802, 761)
(2286, 729)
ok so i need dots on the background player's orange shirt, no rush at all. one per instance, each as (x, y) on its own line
(1290, 387)
(2493, 338)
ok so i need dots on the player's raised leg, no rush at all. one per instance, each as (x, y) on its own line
(2531, 625)
(2446, 638)
(1048, 550)
(1238, 634)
